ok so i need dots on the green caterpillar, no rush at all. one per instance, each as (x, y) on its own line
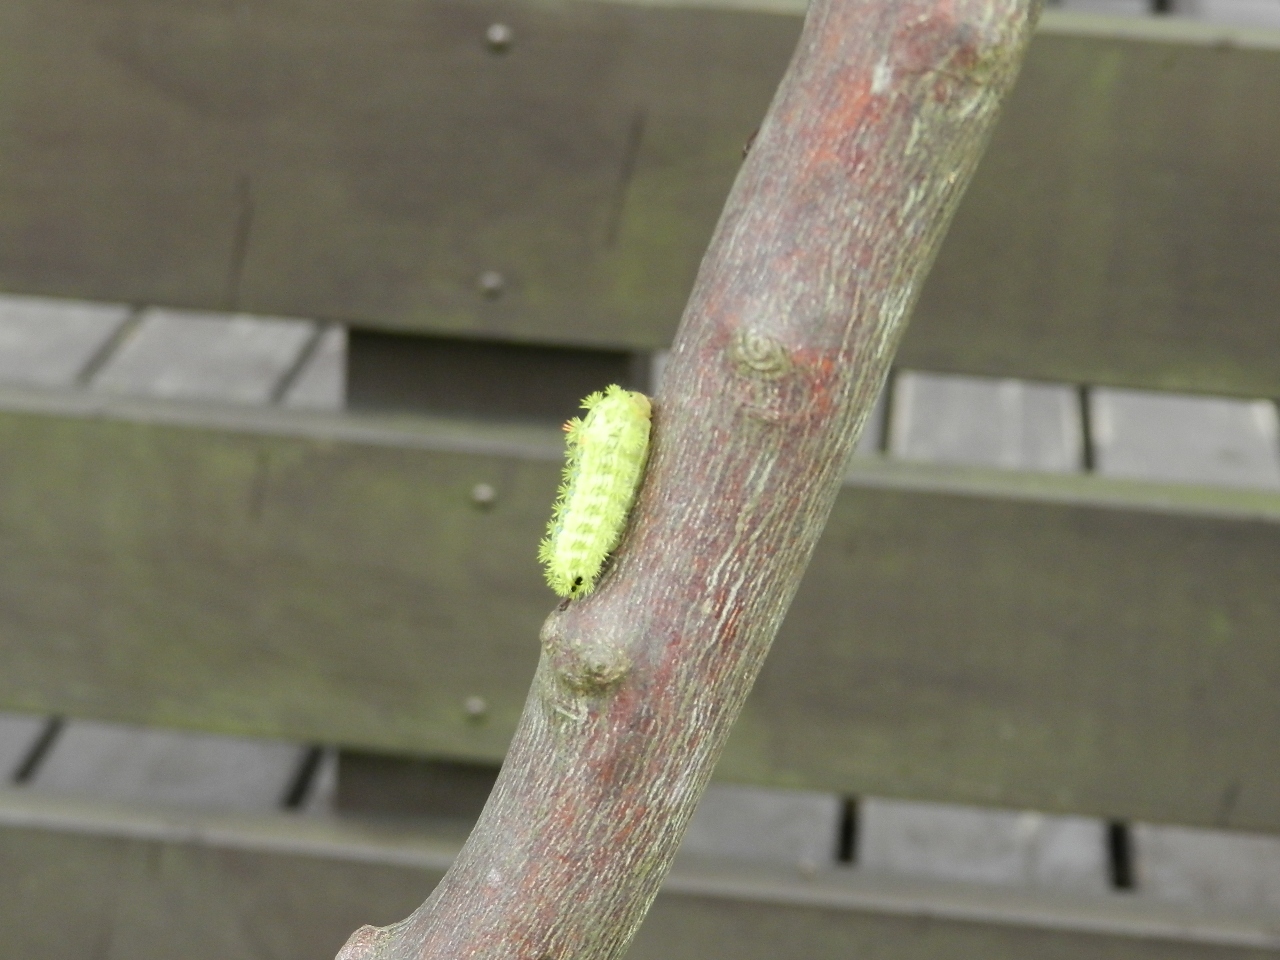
(604, 463)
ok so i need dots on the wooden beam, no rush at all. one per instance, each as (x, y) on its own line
(1120, 226)
(392, 168)
(1082, 645)
(1090, 646)
(374, 165)
(88, 880)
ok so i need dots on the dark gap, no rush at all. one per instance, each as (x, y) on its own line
(380, 785)
(300, 788)
(886, 412)
(847, 841)
(479, 378)
(1162, 6)
(39, 750)
(1120, 855)
(1086, 430)
(108, 349)
(299, 363)
(240, 240)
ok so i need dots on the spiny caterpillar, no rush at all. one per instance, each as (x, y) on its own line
(604, 462)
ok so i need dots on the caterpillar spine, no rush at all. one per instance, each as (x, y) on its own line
(605, 456)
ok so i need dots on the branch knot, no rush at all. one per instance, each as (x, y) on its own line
(759, 355)
(588, 667)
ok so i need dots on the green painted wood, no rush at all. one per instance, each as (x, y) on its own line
(97, 883)
(1049, 642)
(309, 159)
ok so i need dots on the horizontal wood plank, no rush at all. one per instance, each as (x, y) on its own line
(392, 169)
(1060, 647)
(384, 165)
(85, 881)
(1118, 228)
(1084, 645)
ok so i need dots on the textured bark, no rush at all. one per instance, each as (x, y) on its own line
(822, 248)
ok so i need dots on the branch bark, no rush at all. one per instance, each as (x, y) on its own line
(822, 248)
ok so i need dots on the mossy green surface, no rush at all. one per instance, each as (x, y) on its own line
(306, 159)
(1053, 643)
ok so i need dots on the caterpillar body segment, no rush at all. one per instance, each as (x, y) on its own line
(606, 451)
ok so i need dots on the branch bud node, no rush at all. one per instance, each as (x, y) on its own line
(588, 667)
(759, 355)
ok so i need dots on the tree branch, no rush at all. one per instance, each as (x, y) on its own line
(824, 243)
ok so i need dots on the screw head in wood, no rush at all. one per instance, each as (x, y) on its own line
(475, 707)
(483, 494)
(499, 36)
(491, 284)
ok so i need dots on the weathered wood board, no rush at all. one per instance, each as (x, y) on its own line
(372, 164)
(1122, 226)
(1053, 643)
(1086, 645)
(90, 883)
